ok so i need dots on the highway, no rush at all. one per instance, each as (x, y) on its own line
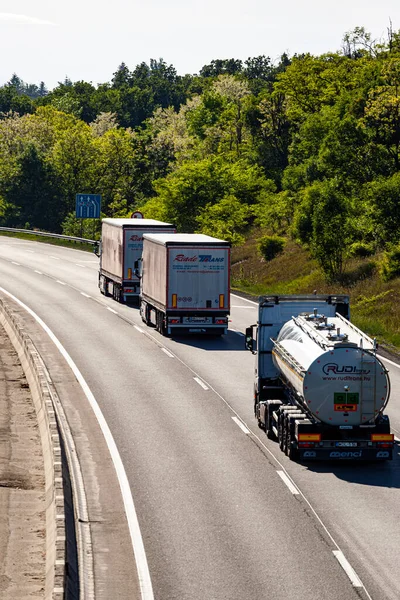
(223, 514)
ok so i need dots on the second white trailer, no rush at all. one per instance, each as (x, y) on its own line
(185, 283)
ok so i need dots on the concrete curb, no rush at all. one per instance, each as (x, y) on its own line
(43, 399)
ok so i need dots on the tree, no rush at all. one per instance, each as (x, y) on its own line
(227, 219)
(323, 222)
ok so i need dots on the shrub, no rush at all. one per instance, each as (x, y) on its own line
(270, 246)
(390, 265)
(361, 250)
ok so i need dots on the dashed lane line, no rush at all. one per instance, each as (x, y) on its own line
(288, 482)
(348, 569)
(240, 424)
(201, 383)
(167, 352)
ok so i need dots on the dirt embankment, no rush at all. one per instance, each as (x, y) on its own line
(22, 484)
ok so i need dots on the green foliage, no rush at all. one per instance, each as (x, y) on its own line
(361, 249)
(227, 220)
(270, 246)
(390, 265)
(323, 222)
(186, 192)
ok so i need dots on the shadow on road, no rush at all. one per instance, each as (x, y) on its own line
(229, 342)
(380, 474)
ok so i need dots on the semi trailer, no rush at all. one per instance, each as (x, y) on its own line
(320, 389)
(120, 248)
(185, 283)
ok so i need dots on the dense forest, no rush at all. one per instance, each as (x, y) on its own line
(306, 149)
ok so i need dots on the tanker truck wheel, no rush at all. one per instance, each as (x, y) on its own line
(292, 452)
(281, 432)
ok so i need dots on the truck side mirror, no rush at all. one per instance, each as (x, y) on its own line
(137, 268)
(249, 340)
(97, 248)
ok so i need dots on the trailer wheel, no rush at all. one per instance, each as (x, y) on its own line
(105, 286)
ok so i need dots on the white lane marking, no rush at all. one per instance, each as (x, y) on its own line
(240, 306)
(396, 439)
(38, 272)
(61, 282)
(245, 299)
(55, 257)
(348, 569)
(15, 263)
(31, 251)
(86, 295)
(288, 482)
(389, 361)
(139, 329)
(237, 331)
(146, 588)
(200, 382)
(81, 266)
(111, 310)
(167, 352)
(241, 425)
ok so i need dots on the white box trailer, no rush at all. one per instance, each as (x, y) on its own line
(185, 284)
(121, 247)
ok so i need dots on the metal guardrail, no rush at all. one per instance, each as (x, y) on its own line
(53, 235)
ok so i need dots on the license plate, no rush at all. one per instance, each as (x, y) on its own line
(346, 444)
(197, 320)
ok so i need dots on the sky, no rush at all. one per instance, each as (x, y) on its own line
(49, 40)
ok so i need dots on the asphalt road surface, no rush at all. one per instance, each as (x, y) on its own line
(224, 515)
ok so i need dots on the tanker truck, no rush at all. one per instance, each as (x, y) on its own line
(320, 389)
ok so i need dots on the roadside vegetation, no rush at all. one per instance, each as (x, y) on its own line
(297, 163)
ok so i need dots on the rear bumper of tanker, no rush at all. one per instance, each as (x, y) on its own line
(345, 453)
(358, 444)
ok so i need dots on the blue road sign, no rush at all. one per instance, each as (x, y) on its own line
(88, 206)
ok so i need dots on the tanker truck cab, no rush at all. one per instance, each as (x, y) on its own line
(320, 389)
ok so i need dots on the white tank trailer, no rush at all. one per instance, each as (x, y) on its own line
(320, 388)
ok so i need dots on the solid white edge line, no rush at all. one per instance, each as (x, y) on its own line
(38, 272)
(389, 361)
(61, 282)
(240, 306)
(348, 569)
(86, 295)
(288, 483)
(138, 329)
(133, 523)
(246, 299)
(81, 266)
(15, 263)
(200, 382)
(240, 424)
(55, 257)
(111, 310)
(167, 352)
